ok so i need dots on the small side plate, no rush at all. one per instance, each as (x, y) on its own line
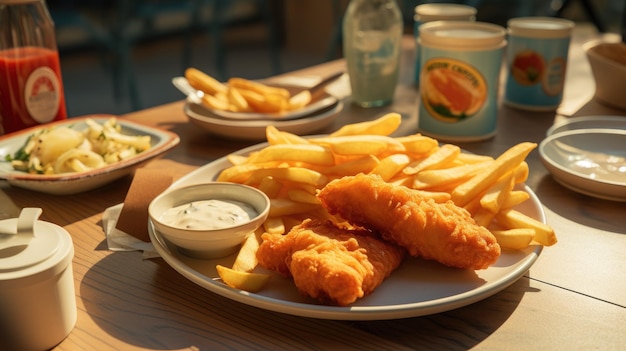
(589, 122)
(588, 161)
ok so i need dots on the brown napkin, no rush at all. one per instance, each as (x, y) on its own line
(147, 184)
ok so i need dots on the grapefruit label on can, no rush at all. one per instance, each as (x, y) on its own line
(452, 90)
(459, 94)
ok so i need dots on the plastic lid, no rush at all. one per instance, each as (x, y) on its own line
(540, 27)
(444, 11)
(462, 35)
(50, 248)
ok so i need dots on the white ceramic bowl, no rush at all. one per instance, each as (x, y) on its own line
(588, 161)
(588, 122)
(209, 243)
(609, 75)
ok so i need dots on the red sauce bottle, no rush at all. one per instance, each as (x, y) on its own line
(31, 87)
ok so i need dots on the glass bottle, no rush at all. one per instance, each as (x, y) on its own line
(31, 87)
(372, 32)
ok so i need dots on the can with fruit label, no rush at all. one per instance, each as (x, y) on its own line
(459, 79)
(536, 62)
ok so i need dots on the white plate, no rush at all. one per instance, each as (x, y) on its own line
(416, 288)
(254, 130)
(72, 183)
(588, 161)
(589, 122)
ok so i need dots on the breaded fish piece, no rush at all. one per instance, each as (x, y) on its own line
(442, 232)
(335, 266)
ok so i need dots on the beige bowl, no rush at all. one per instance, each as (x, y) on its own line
(609, 73)
(200, 242)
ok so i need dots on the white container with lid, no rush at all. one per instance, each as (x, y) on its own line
(37, 297)
(459, 82)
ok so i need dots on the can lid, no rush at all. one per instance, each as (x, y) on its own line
(540, 27)
(48, 246)
(437, 12)
(462, 35)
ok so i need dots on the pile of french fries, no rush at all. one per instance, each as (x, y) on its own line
(243, 95)
(291, 169)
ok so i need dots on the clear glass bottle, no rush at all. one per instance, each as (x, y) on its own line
(372, 32)
(31, 87)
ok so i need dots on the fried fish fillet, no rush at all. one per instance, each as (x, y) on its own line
(335, 266)
(442, 232)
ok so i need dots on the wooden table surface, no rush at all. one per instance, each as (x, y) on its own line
(573, 297)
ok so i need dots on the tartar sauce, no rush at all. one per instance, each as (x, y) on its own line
(209, 214)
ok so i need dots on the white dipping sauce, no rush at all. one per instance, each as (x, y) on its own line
(209, 214)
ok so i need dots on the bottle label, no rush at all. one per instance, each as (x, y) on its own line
(42, 94)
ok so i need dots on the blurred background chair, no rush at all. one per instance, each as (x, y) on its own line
(116, 28)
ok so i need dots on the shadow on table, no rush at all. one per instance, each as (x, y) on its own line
(169, 312)
(459, 329)
(179, 314)
(581, 208)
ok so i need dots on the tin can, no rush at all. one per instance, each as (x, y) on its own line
(437, 12)
(461, 63)
(536, 62)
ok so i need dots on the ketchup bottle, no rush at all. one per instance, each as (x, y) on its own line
(31, 88)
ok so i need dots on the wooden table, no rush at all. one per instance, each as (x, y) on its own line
(573, 297)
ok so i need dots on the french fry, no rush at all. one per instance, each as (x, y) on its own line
(240, 173)
(497, 194)
(257, 87)
(256, 101)
(299, 195)
(509, 159)
(361, 165)
(515, 198)
(246, 281)
(299, 100)
(465, 158)
(544, 234)
(391, 165)
(270, 186)
(445, 176)
(418, 144)
(202, 81)
(236, 159)
(274, 225)
(285, 207)
(444, 155)
(514, 239)
(215, 103)
(385, 125)
(275, 137)
(361, 144)
(307, 153)
(293, 174)
(246, 259)
(237, 100)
